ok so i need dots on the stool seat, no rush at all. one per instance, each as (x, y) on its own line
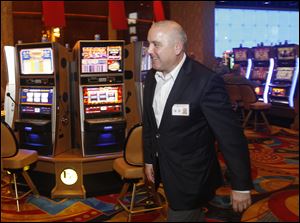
(127, 171)
(23, 158)
(260, 106)
(14, 161)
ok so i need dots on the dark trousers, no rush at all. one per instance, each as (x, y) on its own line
(195, 215)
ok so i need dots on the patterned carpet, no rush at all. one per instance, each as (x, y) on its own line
(275, 171)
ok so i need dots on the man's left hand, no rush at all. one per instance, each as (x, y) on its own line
(240, 201)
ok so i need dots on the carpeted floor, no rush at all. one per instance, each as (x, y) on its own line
(275, 171)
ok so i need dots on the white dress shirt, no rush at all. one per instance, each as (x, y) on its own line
(164, 84)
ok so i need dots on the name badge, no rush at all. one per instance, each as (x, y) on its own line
(181, 110)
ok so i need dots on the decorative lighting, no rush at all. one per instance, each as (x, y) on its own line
(56, 32)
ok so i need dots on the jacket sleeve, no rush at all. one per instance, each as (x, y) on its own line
(228, 131)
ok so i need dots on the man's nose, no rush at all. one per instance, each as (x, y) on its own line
(150, 49)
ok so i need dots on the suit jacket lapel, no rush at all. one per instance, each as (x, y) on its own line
(152, 90)
(182, 80)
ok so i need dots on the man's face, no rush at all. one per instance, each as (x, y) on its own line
(161, 49)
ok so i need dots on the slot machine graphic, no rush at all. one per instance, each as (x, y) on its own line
(263, 65)
(284, 80)
(99, 123)
(43, 112)
(242, 56)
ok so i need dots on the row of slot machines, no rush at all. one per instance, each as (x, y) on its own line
(75, 99)
(274, 69)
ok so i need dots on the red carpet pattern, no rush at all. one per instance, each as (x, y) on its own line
(275, 172)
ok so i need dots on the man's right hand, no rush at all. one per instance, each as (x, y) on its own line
(149, 172)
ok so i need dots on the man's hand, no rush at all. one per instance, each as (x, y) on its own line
(240, 201)
(149, 172)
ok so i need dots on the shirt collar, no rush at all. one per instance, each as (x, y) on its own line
(173, 74)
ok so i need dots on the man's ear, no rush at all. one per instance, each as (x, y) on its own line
(178, 48)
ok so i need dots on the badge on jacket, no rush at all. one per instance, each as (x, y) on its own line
(181, 110)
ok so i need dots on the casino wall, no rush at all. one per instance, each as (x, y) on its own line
(22, 20)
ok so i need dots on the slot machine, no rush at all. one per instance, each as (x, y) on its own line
(142, 66)
(131, 97)
(99, 97)
(284, 80)
(263, 65)
(242, 57)
(42, 96)
(137, 64)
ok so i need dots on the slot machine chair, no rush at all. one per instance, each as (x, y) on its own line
(252, 104)
(15, 161)
(235, 97)
(131, 169)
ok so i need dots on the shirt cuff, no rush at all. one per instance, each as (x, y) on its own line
(242, 191)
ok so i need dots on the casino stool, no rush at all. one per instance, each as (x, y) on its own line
(251, 104)
(15, 161)
(235, 97)
(131, 169)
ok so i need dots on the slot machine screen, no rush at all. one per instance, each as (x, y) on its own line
(101, 57)
(279, 92)
(286, 53)
(36, 61)
(243, 71)
(36, 100)
(260, 73)
(103, 99)
(284, 73)
(240, 54)
(261, 54)
(36, 96)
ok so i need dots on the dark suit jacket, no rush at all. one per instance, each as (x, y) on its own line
(188, 164)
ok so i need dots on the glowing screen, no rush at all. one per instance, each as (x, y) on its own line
(281, 92)
(261, 54)
(259, 73)
(36, 96)
(286, 53)
(240, 54)
(284, 73)
(102, 99)
(102, 59)
(102, 95)
(36, 61)
(243, 71)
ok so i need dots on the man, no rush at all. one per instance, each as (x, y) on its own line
(186, 108)
(235, 77)
(219, 67)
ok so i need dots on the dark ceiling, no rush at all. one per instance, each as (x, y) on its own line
(276, 5)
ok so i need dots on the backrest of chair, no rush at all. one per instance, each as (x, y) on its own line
(9, 143)
(248, 95)
(133, 151)
(233, 92)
